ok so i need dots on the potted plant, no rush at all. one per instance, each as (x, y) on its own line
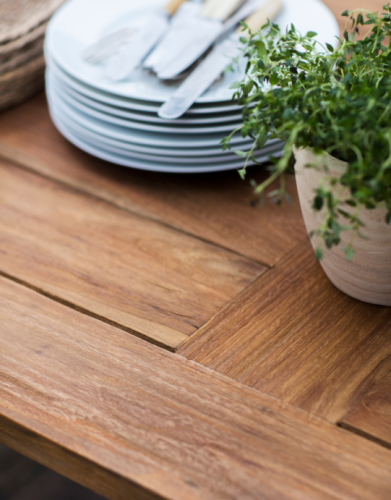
(332, 107)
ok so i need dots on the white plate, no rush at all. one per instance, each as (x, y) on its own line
(226, 128)
(202, 119)
(144, 164)
(80, 23)
(151, 154)
(136, 148)
(150, 139)
(133, 104)
(195, 155)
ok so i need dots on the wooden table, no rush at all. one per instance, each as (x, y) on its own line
(162, 338)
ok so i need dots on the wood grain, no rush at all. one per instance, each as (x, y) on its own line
(339, 6)
(152, 280)
(371, 417)
(213, 207)
(130, 420)
(293, 335)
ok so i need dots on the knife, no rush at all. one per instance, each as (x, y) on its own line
(107, 46)
(195, 36)
(216, 62)
(191, 55)
(121, 65)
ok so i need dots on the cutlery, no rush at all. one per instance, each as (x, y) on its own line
(190, 10)
(186, 59)
(214, 64)
(99, 51)
(122, 64)
(195, 36)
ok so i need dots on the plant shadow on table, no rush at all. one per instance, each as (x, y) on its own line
(23, 479)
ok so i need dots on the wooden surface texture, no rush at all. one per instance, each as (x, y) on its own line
(371, 417)
(154, 281)
(280, 385)
(292, 334)
(130, 420)
(339, 6)
(213, 207)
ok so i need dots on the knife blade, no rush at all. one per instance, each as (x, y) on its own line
(195, 36)
(189, 56)
(107, 46)
(186, 11)
(122, 64)
(216, 62)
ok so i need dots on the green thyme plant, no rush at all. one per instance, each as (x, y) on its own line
(332, 100)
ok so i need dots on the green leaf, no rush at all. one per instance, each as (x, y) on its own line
(318, 254)
(318, 202)
(236, 85)
(249, 86)
(287, 114)
(345, 13)
(243, 154)
(242, 173)
(311, 34)
(261, 139)
(243, 40)
(330, 47)
(349, 253)
(260, 45)
(336, 228)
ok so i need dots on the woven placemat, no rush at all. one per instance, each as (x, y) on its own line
(20, 57)
(19, 17)
(21, 83)
(15, 47)
(22, 66)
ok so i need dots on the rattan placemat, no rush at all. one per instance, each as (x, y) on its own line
(19, 17)
(14, 47)
(23, 57)
(22, 30)
(21, 83)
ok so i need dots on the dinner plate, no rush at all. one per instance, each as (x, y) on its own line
(144, 164)
(169, 128)
(80, 23)
(152, 154)
(134, 136)
(226, 158)
(202, 119)
(133, 104)
(201, 153)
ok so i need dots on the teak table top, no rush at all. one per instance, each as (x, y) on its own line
(163, 339)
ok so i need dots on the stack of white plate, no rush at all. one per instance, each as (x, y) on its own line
(118, 122)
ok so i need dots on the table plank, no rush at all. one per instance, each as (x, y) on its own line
(130, 420)
(339, 6)
(371, 417)
(154, 281)
(213, 207)
(293, 335)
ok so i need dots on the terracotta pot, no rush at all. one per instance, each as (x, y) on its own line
(368, 276)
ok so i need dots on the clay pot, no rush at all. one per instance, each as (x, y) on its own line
(368, 276)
